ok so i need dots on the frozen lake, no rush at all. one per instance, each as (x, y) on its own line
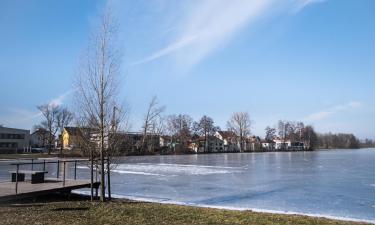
(336, 183)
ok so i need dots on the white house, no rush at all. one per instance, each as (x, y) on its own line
(214, 144)
(268, 145)
(281, 144)
(229, 139)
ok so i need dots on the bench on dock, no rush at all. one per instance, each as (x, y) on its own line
(36, 176)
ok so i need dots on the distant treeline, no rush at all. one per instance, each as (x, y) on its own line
(333, 141)
(367, 143)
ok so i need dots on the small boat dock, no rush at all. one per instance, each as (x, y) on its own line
(19, 187)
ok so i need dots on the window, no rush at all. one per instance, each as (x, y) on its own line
(12, 136)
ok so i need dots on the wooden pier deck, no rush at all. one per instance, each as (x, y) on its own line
(26, 189)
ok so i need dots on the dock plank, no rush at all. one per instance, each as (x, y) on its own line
(27, 189)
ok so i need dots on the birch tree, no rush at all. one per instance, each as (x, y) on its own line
(97, 85)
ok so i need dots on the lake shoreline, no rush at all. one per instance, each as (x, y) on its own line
(77, 209)
(255, 210)
(54, 155)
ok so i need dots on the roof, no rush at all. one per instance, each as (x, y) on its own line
(40, 131)
(8, 129)
(74, 131)
(209, 138)
(227, 134)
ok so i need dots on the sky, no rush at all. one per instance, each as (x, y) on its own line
(300, 60)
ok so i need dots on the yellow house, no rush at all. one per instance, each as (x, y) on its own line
(71, 137)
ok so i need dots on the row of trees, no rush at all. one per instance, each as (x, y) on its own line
(367, 143)
(182, 127)
(331, 141)
(55, 119)
(298, 131)
(293, 131)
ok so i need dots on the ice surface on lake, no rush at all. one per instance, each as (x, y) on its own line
(162, 169)
(335, 184)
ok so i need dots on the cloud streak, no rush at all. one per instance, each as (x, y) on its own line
(23, 118)
(210, 24)
(61, 98)
(332, 110)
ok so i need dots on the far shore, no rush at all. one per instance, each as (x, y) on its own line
(77, 209)
(67, 154)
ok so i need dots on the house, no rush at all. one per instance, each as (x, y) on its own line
(40, 138)
(72, 137)
(268, 145)
(229, 139)
(132, 142)
(281, 144)
(165, 141)
(214, 144)
(252, 143)
(13, 140)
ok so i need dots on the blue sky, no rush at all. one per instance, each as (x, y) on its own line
(308, 60)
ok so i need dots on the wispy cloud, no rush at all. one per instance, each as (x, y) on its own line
(26, 118)
(332, 110)
(210, 24)
(61, 98)
(300, 4)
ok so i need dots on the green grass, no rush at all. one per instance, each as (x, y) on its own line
(78, 210)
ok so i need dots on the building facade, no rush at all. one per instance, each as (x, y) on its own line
(13, 140)
(230, 140)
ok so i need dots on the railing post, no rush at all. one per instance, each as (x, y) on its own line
(32, 164)
(96, 171)
(18, 166)
(75, 169)
(64, 175)
(44, 165)
(58, 169)
(92, 176)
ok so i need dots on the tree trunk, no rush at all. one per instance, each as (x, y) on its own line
(108, 177)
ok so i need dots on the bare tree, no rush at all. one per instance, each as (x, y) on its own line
(97, 90)
(64, 118)
(180, 127)
(205, 127)
(270, 133)
(154, 112)
(49, 112)
(240, 124)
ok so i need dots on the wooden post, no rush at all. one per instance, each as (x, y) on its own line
(58, 169)
(18, 166)
(32, 164)
(75, 170)
(64, 175)
(44, 165)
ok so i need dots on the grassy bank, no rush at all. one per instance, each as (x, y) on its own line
(78, 210)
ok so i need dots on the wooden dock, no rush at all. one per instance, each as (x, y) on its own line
(27, 189)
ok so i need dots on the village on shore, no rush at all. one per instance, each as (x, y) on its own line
(73, 139)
